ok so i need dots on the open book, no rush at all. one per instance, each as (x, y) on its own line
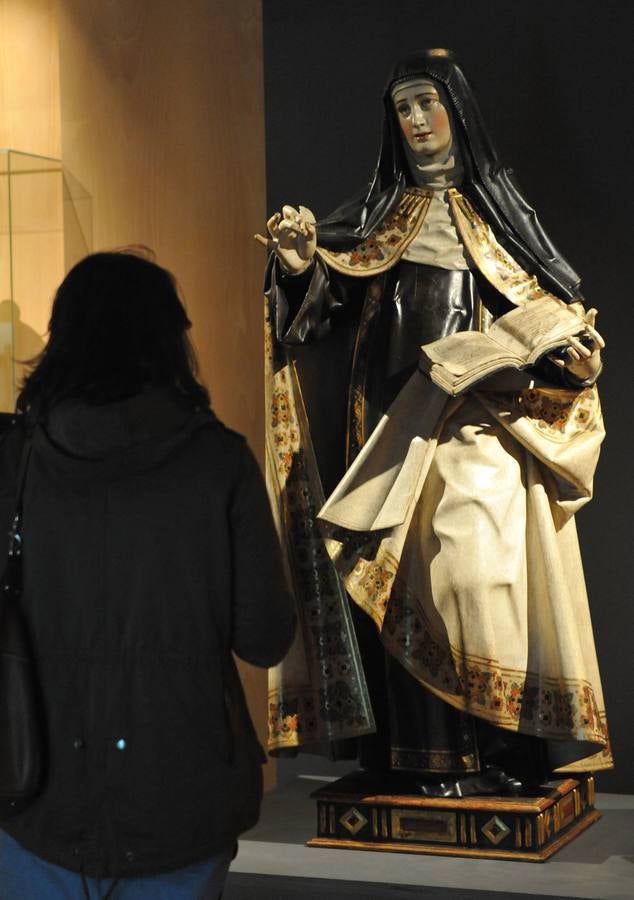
(516, 340)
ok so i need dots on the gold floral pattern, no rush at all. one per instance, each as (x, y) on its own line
(290, 721)
(549, 708)
(560, 414)
(375, 580)
(297, 718)
(404, 758)
(387, 243)
(369, 568)
(356, 435)
(495, 263)
(331, 700)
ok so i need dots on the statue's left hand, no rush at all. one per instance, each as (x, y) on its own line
(583, 360)
(293, 238)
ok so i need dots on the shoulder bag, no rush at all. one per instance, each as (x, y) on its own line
(21, 731)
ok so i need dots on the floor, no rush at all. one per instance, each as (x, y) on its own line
(274, 863)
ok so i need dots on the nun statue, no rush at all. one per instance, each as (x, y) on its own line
(446, 638)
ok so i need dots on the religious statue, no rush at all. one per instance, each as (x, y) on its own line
(444, 637)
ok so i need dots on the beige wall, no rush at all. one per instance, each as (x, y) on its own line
(162, 123)
(29, 77)
(30, 123)
(160, 112)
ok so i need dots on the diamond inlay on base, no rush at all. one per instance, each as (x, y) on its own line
(359, 812)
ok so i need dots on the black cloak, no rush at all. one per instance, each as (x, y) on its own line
(486, 183)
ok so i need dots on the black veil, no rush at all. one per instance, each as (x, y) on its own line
(486, 183)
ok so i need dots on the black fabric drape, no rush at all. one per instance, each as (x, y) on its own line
(488, 185)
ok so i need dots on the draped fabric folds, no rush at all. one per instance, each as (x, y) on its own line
(453, 526)
(454, 531)
(318, 694)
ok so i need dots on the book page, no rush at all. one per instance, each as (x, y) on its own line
(464, 351)
(535, 324)
(516, 340)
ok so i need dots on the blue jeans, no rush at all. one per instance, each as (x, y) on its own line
(24, 875)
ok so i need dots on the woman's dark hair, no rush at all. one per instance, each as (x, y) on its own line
(117, 327)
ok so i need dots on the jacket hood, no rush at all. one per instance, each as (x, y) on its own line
(485, 181)
(119, 437)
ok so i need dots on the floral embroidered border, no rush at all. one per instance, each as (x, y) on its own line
(329, 701)
(495, 263)
(416, 760)
(559, 414)
(301, 718)
(387, 243)
(550, 708)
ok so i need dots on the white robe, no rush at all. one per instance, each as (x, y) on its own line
(454, 530)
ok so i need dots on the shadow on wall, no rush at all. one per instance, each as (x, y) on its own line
(19, 343)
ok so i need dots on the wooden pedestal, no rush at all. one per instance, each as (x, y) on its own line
(529, 829)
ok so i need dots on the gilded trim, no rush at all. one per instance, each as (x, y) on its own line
(452, 850)
(436, 760)
(353, 820)
(388, 242)
(552, 708)
(424, 825)
(528, 833)
(325, 698)
(496, 264)
(511, 698)
(356, 430)
(590, 791)
(495, 830)
(558, 415)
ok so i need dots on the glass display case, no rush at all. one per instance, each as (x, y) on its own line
(45, 226)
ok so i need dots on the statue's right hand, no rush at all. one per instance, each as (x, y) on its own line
(293, 238)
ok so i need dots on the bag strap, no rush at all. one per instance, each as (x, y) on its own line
(15, 538)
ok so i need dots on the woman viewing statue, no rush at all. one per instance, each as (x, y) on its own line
(150, 558)
(466, 662)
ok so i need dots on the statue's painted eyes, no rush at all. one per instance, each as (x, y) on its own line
(424, 102)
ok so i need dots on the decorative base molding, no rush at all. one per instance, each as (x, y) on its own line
(528, 829)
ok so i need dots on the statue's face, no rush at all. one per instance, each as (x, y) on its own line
(423, 119)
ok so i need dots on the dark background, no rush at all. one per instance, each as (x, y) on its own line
(553, 80)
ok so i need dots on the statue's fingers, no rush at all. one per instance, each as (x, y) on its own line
(286, 227)
(270, 243)
(289, 212)
(596, 337)
(558, 361)
(308, 215)
(591, 316)
(292, 229)
(577, 347)
(272, 224)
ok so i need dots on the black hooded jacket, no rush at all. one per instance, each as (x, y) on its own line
(149, 556)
